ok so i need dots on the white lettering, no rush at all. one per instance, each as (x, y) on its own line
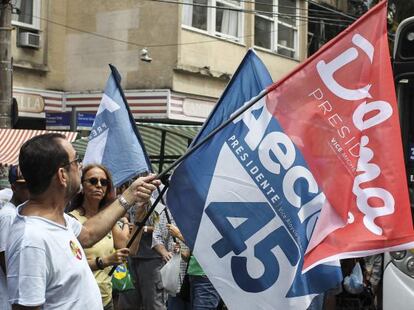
(257, 127)
(276, 151)
(289, 181)
(272, 143)
(327, 70)
(317, 94)
(384, 112)
(365, 116)
(311, 207)
(370, 172)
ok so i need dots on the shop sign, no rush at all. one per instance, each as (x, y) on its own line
(85, 120)
(197, 108)
(30, 103)
(58, 120)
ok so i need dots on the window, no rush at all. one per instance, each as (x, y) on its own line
(27, 14)
(216, 17)
(275, 26)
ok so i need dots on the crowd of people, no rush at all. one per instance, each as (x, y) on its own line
(65, 227)
(45, 266)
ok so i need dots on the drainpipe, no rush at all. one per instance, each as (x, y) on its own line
(6, 68)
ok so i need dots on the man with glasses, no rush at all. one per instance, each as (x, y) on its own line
(7, 215)
(47, 267)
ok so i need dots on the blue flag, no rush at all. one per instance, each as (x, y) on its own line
(237, 216)
(114, 140)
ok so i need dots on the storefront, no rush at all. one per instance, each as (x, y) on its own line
(167, 121)
(164, 143)
(10, 142)
(76, 111)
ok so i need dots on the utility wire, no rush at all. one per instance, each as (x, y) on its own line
(265, 13)
(330, 9)
(308, 19)
(140, 44)
(164, 45)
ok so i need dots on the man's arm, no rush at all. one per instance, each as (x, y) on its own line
(160, 249)
(175, 232)
(158, 241)
(118, 257)
(185, 255)
(95, 228)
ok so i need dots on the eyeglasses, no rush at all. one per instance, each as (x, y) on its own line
(94, 181)
(77, 160)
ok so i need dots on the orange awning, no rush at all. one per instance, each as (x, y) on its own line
(12, 139)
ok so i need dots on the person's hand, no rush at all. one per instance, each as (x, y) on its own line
(177, 247)
(174, 231)
(141, 189)
(167, 256)
(185, 255)
(126, 230)
(123, 223)
(117, 257)
(124, 220)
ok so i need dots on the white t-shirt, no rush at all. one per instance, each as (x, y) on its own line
(7, 215)
(6, 194)
(47, 266)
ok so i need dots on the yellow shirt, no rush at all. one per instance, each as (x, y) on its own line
(104, 247)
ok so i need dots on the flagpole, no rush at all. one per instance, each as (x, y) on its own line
(169, 221)
(212, 133)
(141, 224)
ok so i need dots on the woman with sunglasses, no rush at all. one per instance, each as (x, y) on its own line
(97, 192)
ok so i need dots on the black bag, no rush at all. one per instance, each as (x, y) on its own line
(184, 293)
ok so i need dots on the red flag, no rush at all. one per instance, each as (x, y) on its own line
(340, 109)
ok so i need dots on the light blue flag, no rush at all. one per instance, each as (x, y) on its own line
(234, 214)
(114, 140)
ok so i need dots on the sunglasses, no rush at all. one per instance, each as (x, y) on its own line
(94, 181)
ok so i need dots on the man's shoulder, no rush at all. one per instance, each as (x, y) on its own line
(7, 209)
(26, 232)
(7, 216)
(75, 215)
(6, 194)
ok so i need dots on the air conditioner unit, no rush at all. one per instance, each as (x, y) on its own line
(29, 39)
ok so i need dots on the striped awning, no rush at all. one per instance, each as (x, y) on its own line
(12, 139)
(164, 143)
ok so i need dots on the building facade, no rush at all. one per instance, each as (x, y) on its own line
(61, 51)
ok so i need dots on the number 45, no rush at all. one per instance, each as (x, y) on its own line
(257, 215)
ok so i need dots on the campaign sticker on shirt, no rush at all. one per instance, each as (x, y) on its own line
(75, 249)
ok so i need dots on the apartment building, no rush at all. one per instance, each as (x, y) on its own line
(62, 48)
